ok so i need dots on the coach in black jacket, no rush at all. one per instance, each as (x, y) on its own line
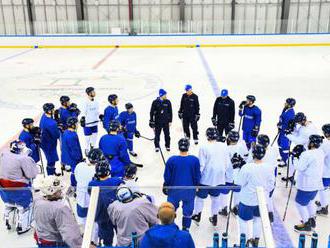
(189, 113)
(161, 119)
(224, 113)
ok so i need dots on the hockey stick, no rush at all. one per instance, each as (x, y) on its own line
(289, 196)
(162, 155)
(278, 133)
(143, 137)
(229, 213)
(240, 124)
(137, 165)
(91, 122)
(42, 168)
(287, 171)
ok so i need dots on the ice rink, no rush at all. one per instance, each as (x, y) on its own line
(31, 77)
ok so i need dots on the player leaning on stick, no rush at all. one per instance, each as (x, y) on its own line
(309, 166)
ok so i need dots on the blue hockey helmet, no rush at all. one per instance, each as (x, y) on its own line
(233, 136)
(263, 140)
(224, 93)
(212, 133)
(124, 194)
(184, 145)
(326, 130)
(48, 107)
(162, 92)
(102, 169)
(258, 151)
(315, 140)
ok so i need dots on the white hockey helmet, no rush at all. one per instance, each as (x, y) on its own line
(50, 185)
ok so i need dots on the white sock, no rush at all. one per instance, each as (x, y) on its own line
(324, 197)
(303, 212)
(270, 204)
(215, 204)
(199, 204)
(223, 200)
(95, 234)
(81, 221)
(93, 139)
(236, 198)
(291, 167)
(257, 227)
(244, 227)
(311, 208)
(88, 142)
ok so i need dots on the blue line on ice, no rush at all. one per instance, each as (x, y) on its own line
(16, 55)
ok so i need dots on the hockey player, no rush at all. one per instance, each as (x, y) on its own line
(28, 137)
(110, 112)
(129, 214)
(84, 173)
(108, 186)
(224, 113)
(286, 117)
(49, 136)
(252, 175)
(182, 170)
(114, 148)
(309, 169)
(214, 161)
(71, 150)
(189, 113)
(55, 225)
(17, 170)
(167, 234)
(251, 115)
(66, 111)
(236, 149)
(325, 194)
(128, 123)
(90, 118)
(161, 119)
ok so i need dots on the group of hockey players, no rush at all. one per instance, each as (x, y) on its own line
(228, 169)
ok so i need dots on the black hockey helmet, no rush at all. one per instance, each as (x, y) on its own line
(95, 155)
(258, 151)
(251, 98)
(89, 90)
(17, 146)
(315, 140)
(291, 102)
(300, 117)
(130, 170)
(212, 133)
(72, 122)
(128, 106)
(48, 107)
(112, 98)
(27, 121)
(124, 194)
(102, 169)
(326, 130)
(184, 145)
(233, 136)
(298, 150)
(114, 125)
(263, 140)
(64, 99)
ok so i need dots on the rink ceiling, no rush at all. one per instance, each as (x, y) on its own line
(30, 77)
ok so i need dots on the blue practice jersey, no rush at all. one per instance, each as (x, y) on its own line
(28, 139)
(251, 118)
(128, 121)
(64, 115)
(286, 116)
(71, 149)
(110, 113)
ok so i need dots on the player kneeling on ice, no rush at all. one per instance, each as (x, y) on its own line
(114, 148)
(325, 193)
(214, 161)
(108, 186)
(71, 150)
(131, 214)
(17, 170)
(309, 167)
(237, 152)
(90, 118)
(167, 234)
(49, 136)
(128, 123)
(252, 175)
(182, 171)
(55, 225)
(31, 138)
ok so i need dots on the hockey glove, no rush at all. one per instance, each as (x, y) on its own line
(180, 115)
(57, 115)
(214, 121)
(83, 121)
(231, 125)
(291, 127)
(255, 131)
(279, 126)
(242, 104)
(137, 134)
(165, 190)
(74, 108)
(221, 139)
(151, 124)
(237, 161)
(101, 117)
(297, 151)
(197, 117)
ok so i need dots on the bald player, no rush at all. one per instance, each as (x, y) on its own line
(167, 234)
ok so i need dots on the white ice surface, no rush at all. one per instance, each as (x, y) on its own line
(272, 74)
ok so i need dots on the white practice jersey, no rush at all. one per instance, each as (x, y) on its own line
(241, 149)
(309, 170)
(90, 110)
(250, 177)
(326, 149)
(300, 135)
(214, 160)
(83, 174)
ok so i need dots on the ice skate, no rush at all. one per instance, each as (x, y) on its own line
(323, 211)
(223, 212)
(197, 218)
(214, 220)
